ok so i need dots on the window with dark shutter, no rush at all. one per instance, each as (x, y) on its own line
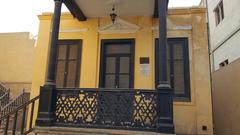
(68, 63)
(178, 67)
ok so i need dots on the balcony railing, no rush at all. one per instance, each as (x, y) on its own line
(4, 99)
(131, 109)
(11, 105)
(14, 122)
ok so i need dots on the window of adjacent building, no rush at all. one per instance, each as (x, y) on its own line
(178, 67)
(219, 12)
(223, 64)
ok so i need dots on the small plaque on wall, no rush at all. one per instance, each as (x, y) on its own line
(144, 66)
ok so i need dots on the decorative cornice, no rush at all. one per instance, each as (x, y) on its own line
(73, 30)
(49, 15)
(119, 27)
(183, 27)
(184, 10)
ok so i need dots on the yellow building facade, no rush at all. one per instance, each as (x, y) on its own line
(193, 116)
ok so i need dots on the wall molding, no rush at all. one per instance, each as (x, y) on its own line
(180, 27)
(72, 30)
(7, 83)
(119, 27)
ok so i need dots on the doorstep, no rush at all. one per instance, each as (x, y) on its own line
(87, 131)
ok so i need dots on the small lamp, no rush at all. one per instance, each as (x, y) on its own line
(113, 15)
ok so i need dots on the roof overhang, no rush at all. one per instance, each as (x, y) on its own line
(83, 9)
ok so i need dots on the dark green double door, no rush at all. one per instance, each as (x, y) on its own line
(116, 75)
(117, 64)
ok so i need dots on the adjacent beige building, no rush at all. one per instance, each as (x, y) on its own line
(17, 52)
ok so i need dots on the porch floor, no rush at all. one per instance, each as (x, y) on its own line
(87, 131)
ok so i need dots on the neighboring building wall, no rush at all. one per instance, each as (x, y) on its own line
(189, 117)
(17, 53)
(225, 45)
(226, 86)
(203, 3)
(224, 37)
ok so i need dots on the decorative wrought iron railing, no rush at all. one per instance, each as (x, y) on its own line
(18, 101)
(4, 96)
(3, 89)
(131, 109)
(9, 122)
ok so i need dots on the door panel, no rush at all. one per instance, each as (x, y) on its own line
(111, 65)
(118, 49)
(119, 68)
(62, 52)
(60, 73)
(71, 73)
(124, 81)
(73, 52)
(110, 81)
(178, 69)
(124, 64)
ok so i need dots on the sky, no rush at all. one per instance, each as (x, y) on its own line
(21, 15)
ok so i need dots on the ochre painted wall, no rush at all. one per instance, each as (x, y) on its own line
(189, 117)
(17, 52)
(226, 86)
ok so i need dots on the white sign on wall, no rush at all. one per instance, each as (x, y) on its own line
(144, 69)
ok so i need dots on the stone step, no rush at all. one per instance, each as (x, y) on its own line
(9, 132)
(87, 131)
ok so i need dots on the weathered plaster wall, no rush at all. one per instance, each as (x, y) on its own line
(189, 117)
(226, 103)
(17, 54)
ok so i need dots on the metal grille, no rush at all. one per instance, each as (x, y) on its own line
(107, 108)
